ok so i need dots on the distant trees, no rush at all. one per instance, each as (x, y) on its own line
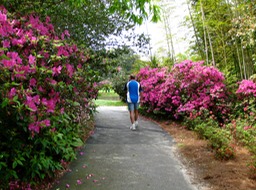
(225, 33)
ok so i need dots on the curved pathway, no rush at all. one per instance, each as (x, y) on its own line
(116, 158)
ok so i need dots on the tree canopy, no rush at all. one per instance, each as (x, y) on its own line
(90, 22)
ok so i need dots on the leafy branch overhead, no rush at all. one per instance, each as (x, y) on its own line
(90, 22)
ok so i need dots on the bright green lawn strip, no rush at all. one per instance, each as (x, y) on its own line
(101, 102)
(108, 95)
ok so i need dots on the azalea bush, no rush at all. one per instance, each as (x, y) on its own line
(151, 80)
(46, 92)
(194, 93)
(187, 87)
(243, 124)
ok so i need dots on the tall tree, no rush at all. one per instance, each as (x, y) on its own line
(228, 30)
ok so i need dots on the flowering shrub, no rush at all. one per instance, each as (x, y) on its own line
(246, 94)
(151, 81)
(244, 125)
(189, 86)
(247, 88)
(46, 90)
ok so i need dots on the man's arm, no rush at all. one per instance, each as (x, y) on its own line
(125, 87)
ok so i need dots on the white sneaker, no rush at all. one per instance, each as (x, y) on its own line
(133, 127)
(136, 123)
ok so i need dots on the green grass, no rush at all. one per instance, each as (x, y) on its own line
(109, 99)
(108, 95)
(100, 102)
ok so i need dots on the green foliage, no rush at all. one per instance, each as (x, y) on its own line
(219, 139)
(119, 81)
(38, 157)
(125, 61)
(145, 8)
(139, 64)
(243, 129)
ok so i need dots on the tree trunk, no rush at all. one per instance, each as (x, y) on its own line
(205, 37)
(199, 47)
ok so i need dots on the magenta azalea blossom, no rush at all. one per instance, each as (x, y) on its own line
(56, 70)
(6, 43)
(46, 123)
(31, 104)
(32, 82)
(70, 70)
(31, 59)
(34, 127)
(12, 93)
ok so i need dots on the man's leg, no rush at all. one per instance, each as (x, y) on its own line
(132, 115)
(136, 114)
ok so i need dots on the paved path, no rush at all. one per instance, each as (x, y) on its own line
(116, 158)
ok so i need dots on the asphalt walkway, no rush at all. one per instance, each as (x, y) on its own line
(116, 158)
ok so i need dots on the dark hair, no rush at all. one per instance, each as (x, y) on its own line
(132, 77)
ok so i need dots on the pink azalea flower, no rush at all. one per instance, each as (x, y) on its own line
(46, 123)
(62, 110)
(6, 44)
(31, 59)
(34, 127)
(70, 70)
(12, 93)
(56, 70)
(79, 182)
(41, 89)
(79, 66)
(247, 127)
(50, 105)
(32, 82)
(31, 104)
(66, 32)
(36, 99)
(3, 17)
(8, 63)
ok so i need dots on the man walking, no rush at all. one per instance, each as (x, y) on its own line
(133, 88)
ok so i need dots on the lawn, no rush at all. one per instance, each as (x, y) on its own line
(109, 99)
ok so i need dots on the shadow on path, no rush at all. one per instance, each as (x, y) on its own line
(116, 158)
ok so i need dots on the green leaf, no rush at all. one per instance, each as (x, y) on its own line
(14, 164)
(2, 164)
(76, 103)
(77, 142)
(5, 102)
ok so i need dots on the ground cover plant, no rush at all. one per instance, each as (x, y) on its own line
(47, 88)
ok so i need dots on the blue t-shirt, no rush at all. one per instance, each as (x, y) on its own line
(133, 91)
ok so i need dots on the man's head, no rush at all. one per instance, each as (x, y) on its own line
(132, 77)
